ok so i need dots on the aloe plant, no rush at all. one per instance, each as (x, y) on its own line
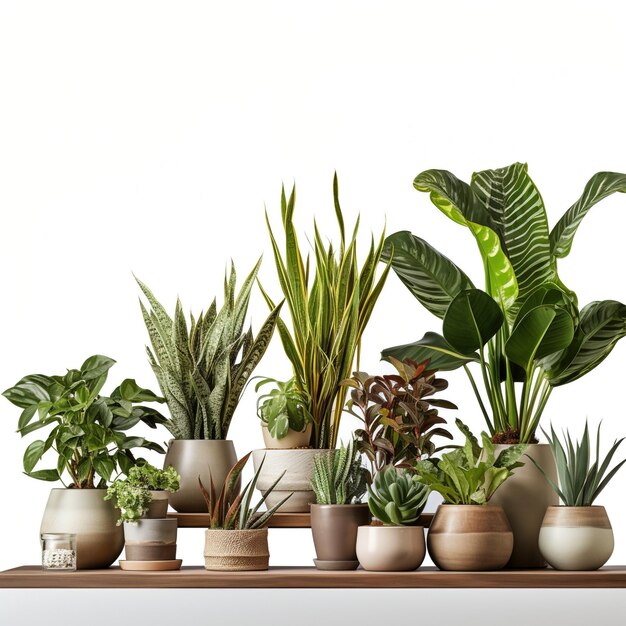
(330, 302)
(203, 367)
(524, 331)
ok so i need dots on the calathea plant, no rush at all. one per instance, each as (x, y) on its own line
(524, 331)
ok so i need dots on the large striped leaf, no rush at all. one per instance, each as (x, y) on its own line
(429, 275)
(600, 186)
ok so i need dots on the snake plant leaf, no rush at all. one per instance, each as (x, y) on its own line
(600, 186)
(429, 275)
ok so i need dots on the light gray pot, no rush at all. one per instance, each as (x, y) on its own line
(150, 539)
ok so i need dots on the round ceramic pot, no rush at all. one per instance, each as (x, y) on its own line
(390, 548)
(85, 513)
(293, 439)
(236, 550)
(150, 540)
(335, 528)
(576, 537)
(298, 466)
(157, 508)
(525, 496)
(191, 458)
(468, 537)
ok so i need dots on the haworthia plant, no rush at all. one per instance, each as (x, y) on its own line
(202, 367)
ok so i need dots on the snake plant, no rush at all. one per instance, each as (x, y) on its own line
(524, 331)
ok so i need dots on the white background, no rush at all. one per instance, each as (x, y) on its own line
(147, 137)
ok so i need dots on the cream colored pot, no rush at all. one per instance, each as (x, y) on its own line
(236, 550)
(293, 439)
(390, 548)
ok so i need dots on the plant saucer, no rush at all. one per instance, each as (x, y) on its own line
(151, 566)
(334, 566)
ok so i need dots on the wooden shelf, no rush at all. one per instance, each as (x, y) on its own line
(310, 578)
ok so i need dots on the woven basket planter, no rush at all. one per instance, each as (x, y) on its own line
(236, 550)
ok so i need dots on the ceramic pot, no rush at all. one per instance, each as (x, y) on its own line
(525, 496)
(85, 513)
(157, 508)
(334, 528)
(576, 537)
(293, 439)
(236, 550)
(298, 467)
(468, 537)
(390, 548)
(150, 540)
(198, 457)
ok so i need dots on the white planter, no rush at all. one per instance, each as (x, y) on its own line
(293, 439)
(390, 548)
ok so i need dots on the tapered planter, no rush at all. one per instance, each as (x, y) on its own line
(334, 528)
(236, 550)
(467, 537)
(85, 513)
(293, 439)
(525, 497)
(198, 457)
(390, 548)
(576, 537)
(150, 540)
(158, 505)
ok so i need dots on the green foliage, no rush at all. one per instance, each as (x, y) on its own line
(330, 305)
(580, 480)
(397, 497)
(232, 509)
(202, 368)
(283, 408)
(87, 430)
(471, 474)
(339, 477)
(524, 331)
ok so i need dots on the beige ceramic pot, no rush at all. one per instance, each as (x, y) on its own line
(236, 550)
(525, 496)
(467, 537)
(390, 548)
(198, 457)
(157, 508)
(293, 439)
(150, 540)
(85, 513)
(576, 537)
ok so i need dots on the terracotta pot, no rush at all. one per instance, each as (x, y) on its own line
(150, 540)
(468, 537)
(236, 550)
(525, 496)
(85, 513)
(576, 537)
(298, 467)
(157, 508)
(390, 548)
(293, 439)
(198, 457)
(334, 528)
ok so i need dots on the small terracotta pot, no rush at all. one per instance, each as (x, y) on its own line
(390, 548)
(467, 537)
(293, 439)
(576, 537)
(150, 540)
(157, 509)
(236, 550)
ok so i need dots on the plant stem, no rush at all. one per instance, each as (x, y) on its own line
(489, 422)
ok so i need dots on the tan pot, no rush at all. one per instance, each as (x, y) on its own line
(525, 496)
(150, 540)
(390, 548)
(468, 537)
(335, 528)
(198, 457)
(293, 439)
(576, 537)
(85, 513)
(157, 508)
(236, 550)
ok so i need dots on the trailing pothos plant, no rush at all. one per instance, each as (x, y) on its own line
(524, 331)
(87, 430)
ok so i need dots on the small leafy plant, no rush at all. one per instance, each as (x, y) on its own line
(283, 408)
(396, 497)
(580, 480)
(339, 478)
(471, 474)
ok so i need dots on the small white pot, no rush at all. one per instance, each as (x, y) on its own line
(293, 439)
(390, 548)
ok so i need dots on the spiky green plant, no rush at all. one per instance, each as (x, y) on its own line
(339, 477)
(329, 306)
(580, 480)
(203, 368)
(396, 497)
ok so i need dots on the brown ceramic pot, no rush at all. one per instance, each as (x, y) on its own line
(236, 550)
(467, 537)
(157, 508)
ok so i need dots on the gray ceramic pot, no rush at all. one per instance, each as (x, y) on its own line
(150, 539)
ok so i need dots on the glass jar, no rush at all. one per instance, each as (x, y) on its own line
(58, 551)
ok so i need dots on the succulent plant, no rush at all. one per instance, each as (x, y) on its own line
(396, 497)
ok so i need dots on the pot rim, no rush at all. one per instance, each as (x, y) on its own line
(202, 440)
(392, 527)
(472, 506)
(343, 506)
(565, 506)
(237, 530)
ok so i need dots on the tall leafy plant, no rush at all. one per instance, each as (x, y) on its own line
(524, 331)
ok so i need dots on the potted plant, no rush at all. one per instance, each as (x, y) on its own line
(395, 542)
(524, 333)
(330, 300)
(236, 539)
(578, 535)
(467, 533)
(339, 482)
(87, 434)
(202, 369)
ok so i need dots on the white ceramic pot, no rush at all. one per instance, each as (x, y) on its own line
(293, 439)
(390, 548)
